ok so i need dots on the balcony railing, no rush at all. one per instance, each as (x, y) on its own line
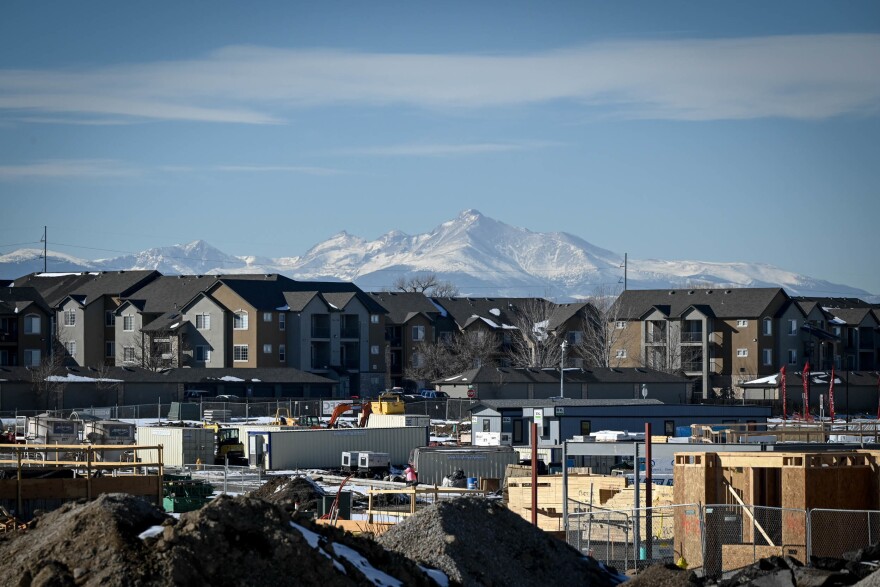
(692, 366)
(655, 338)
(692, 336)
(350, 332)
(318, 332)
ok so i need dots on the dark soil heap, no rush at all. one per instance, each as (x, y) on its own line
(238, 541)
(285, 490)
(82, 543)
(476, 541)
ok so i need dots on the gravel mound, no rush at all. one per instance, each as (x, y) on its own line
(88, 543)
(664, 576)
(476, 541)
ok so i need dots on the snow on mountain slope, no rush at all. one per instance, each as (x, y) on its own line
(480, 255)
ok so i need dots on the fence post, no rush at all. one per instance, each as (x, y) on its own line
(809, 515)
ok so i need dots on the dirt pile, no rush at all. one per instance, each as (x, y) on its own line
(120, 540)
(82, 543)
(287, 491)
(478, 542)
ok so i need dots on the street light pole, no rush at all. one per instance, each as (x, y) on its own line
(562, 369)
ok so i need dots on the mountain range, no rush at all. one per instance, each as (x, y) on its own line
(480, 256)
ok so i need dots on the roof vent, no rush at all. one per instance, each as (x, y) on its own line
(672, 293)
(691, 292)
(708, 291)
(727, 291)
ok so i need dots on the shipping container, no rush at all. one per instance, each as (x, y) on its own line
(180, 446)
(320, 449)
(435, 462)
(244, 430)
(397, 420)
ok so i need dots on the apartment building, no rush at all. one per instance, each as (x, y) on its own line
(719, 338)
(25, 327)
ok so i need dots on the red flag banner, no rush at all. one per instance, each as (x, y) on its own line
(782, 375)
(805, 375)
(831, 395)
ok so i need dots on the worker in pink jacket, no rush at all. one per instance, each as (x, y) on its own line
(412, 478)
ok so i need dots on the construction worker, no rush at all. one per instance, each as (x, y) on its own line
(412, 478)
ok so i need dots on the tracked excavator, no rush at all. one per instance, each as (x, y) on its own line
(366, 410)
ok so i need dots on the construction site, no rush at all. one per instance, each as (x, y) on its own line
(731, 497)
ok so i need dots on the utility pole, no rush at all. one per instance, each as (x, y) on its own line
(45, 244)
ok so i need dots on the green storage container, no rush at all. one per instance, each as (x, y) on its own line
(344, 505)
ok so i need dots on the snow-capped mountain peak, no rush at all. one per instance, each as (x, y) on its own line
(480, 255)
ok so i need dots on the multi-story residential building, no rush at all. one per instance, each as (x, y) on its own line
(719, 338)
(149, 322)
(25, 327)
(318, 327)
(85, 309)
(411, 320)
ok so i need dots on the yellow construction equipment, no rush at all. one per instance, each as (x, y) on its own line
(227, 445)
(388, 403)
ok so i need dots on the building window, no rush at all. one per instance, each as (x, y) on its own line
(374, 318)
(240, 353)
(768, 326)
(32, 324)
(792, 327)
(128, 323)
(374, 349)
(586, 427)
(282, 353)
(418, 360)
(669, 427)
(267, 316)
(70, 347)
(575, 337)
(240, 321)
(109, 349)
(203, 353)
(70, 317)
(837, 331)
(267, 349)
(128, 354)
(31, 357)
(742, 352)
(792, 357)
(486, 425)
(203, 321)
(742, 323)
(768, 356)
(620, 353)
(620, 324)
(282, 321)
(418, 333)
(109, 319)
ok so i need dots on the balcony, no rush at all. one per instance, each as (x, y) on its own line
(691, 337)
(350, 333)
(655, 338)
(320, 332)
(692, 366)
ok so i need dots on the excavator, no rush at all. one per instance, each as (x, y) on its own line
(366, 410)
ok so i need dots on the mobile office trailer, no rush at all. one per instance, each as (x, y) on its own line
(109, 432)
(436, 462)
(180, 445)
(397, 420)
(320, 449)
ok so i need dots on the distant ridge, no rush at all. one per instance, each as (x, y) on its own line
(481, 256)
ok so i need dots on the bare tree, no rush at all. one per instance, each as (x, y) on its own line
(461, 352)
(603, 335)
(533, 344)
(152, 350)
(426, 283)
(48, 378)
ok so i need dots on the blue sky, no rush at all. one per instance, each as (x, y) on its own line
(736, 131)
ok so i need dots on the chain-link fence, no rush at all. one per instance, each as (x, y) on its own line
(716, 539)
(224, 479)
(627, 539)
(831, 533)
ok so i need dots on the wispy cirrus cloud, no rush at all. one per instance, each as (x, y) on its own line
(68, 169)
(797, 76)
(445, 150)
(304, 169)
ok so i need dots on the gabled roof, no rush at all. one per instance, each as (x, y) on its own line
(85, 288)
(54, 287)
(562, 313)
(267, 292)
(14, 300)
(851, 316)
(167, 293)
(834, 302)
(494, 312)
(749, 302)
(296, 301)
(167, 322)
(403, 306)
